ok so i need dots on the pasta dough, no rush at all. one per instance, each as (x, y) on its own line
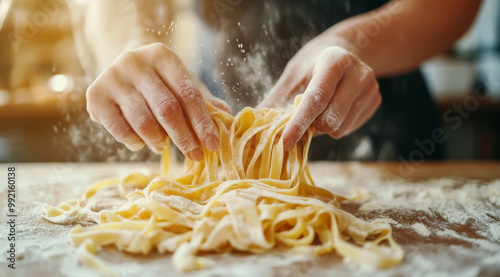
(249, 196)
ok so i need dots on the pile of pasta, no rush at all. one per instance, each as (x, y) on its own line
(249, 196)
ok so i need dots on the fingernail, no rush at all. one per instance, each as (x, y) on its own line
(196, 154)
(212, 143)
(135, 146)
(160, 146)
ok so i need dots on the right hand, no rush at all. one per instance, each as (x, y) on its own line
(147, 95)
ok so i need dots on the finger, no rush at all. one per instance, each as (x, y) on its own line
(113, 120)
(365, 115)
(358, 105)
(132, 105)
(179, 82)
(106, 112)
(168, 113)
(347, 105)
(194, 106)
(338, 108)
(161, 102)
(142, 121)
(355, 86)
(316, 98)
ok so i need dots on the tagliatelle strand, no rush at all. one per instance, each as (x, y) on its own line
(249, 196)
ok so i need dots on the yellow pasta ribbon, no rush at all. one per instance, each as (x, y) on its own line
(250, 196)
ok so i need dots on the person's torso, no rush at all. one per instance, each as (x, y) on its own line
(254, 39)
(247, 44)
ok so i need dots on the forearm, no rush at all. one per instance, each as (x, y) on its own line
(402, 34)
(112, 27)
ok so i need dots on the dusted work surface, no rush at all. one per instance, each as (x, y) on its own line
(446, 216)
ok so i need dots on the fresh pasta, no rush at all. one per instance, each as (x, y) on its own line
(249, 196)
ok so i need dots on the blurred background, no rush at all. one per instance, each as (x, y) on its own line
(42, 89)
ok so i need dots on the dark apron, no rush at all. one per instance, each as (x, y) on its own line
(247, 43)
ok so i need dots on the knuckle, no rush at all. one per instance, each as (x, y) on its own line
(153, 83)
(331, 121)
(186, 143)
(367, 75)
(167, 108)
(119, 132)
(91, 93)
(345, 59)
(92, 114)
(338, 56)
(159, 50)
(370, 73)
(144, 124)
(129, 59)
(188, 92)
(158, 47)
(109, 77)
(92, 96)
(319, 99)
(122, 135)
(204, 124)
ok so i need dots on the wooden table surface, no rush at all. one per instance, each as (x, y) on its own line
(446, 216)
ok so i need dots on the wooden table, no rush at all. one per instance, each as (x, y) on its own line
(446, 216)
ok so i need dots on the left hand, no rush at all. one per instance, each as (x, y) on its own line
(341, 91)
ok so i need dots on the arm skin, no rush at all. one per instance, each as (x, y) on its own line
(417, 30)
(144, 93)
(339, 67)
(110, 28)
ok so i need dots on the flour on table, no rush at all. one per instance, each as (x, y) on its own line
(421, 229)
(446, 227)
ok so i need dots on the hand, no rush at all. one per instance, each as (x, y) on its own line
(342, 92)
(147, 95)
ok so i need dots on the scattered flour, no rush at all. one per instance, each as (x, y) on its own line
(421, 229)
(446, 228)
